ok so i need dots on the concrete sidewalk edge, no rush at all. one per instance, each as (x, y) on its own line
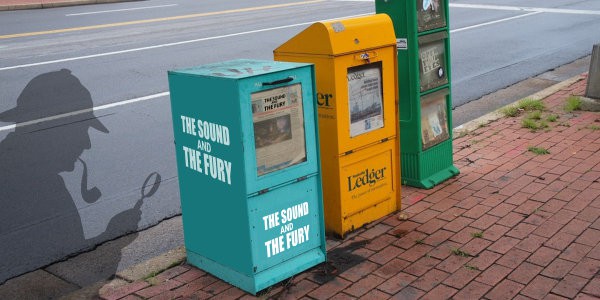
(141, 271)
(495, 115)
(59, 3)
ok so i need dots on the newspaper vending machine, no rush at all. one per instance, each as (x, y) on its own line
(355, 62)
(249, 170)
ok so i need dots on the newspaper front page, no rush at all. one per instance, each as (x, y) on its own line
(365, 99)
(278, 128)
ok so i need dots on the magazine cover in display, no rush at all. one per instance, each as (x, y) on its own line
(434, 121)
(432, 65)
(430, 14)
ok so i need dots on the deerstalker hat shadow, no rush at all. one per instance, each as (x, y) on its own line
(51, 94)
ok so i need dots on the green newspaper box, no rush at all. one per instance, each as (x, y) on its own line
(424, 84)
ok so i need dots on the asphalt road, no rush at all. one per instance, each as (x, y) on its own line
(53, 154)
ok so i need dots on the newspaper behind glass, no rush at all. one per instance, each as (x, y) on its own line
(365, 99)
(278, 128)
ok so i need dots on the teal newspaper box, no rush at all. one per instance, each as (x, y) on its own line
(249, 171)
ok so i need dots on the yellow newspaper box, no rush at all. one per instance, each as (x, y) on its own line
(356, 74)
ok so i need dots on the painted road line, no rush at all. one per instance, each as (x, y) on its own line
(119, 10)
(226, 36)
(84, 111)
(221, 37)
(510, 8)
(165, 45)
(164, 94)
(493, 22)
(119, 24)
(530, 9)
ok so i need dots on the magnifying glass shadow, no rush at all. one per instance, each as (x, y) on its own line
(126, 223)
(128, 220)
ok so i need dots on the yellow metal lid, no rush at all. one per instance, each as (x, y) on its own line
(341, 37)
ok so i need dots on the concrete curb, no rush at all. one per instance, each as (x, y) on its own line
(137, 272)
(60, 3)
(154, 265)
(495, 115)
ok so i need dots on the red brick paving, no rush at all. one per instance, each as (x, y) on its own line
(512, 225)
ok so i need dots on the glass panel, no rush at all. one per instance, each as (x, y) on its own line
(432, 64)
(365, 100)
(430, 14)
(434, 119)
(278, 128)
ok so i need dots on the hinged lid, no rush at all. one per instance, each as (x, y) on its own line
(341, 37)
(239, 68)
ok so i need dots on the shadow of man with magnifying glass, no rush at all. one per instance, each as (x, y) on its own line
(39, 221)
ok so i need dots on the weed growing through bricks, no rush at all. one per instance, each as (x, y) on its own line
(538, 150)
(478, 234)
(572, 103)
(533, 124)
(552, 118)
(535, 115)
(593, 127)
(510, 111)
(459, 252)
(529, 104)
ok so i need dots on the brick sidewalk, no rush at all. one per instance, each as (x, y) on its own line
(512, 225)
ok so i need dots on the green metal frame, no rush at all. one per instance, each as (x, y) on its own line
(423, 168)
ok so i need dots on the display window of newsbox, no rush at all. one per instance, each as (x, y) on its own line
(278, 122)
(364, 107)
(434, 118)
(431, 14)
(433, 61)
(281, 149)
(365, 98)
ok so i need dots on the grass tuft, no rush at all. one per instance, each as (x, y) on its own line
(459, 252)
(529, 123)
(478, 234)
(510, 111)
(534, 124)
(573, 103)
(535, 115)
(538, 151)
(552, 118)
(473, 268)
(593, 127)
(529, 104)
